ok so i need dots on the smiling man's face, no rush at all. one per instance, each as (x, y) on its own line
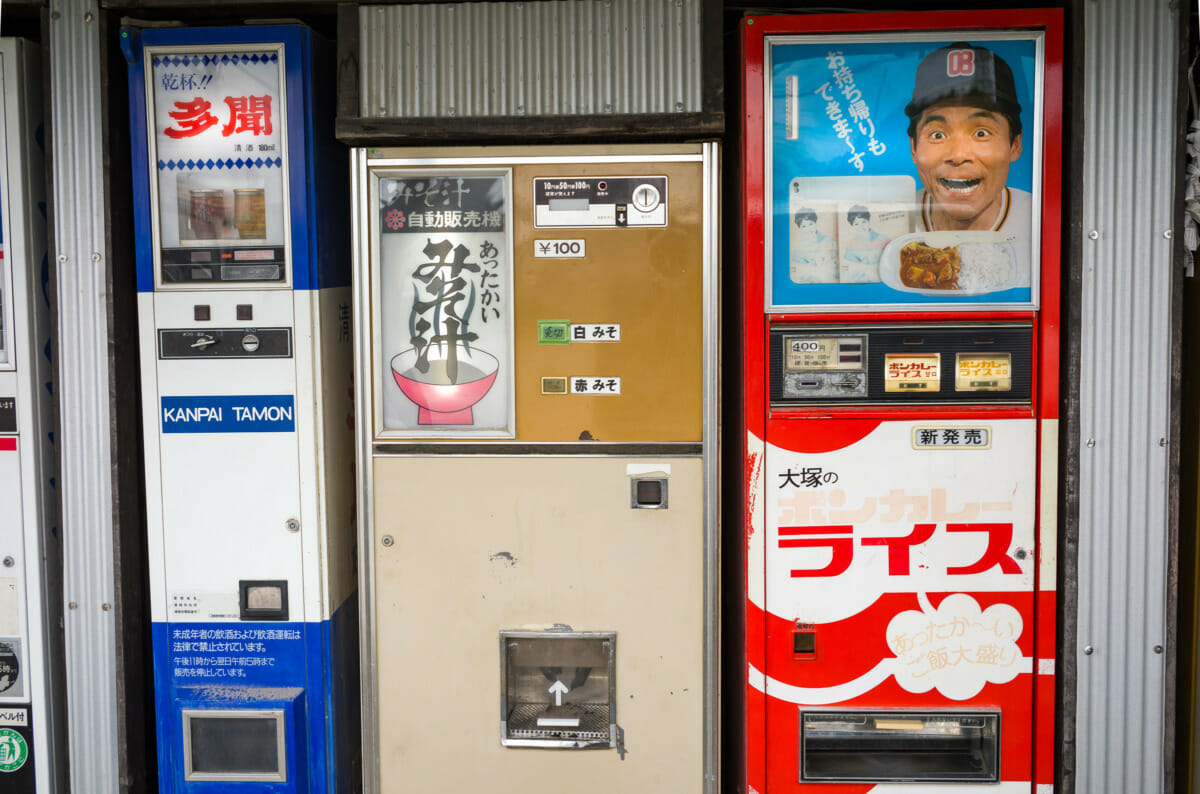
(962, 155)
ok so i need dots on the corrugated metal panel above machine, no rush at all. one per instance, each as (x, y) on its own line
(574, 57)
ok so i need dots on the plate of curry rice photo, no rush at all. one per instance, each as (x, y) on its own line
(950, 263)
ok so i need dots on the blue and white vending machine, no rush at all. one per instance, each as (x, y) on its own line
(241, 217)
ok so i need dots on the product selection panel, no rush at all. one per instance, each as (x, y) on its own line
(901, 365)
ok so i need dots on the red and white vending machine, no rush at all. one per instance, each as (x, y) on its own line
(901, 301)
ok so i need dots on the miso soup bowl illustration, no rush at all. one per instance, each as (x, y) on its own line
(443, 396)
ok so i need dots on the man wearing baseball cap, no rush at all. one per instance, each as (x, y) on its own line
(965, 130)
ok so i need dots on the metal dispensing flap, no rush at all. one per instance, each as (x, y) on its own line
(558, 689)
(898, 746)
(234, 745)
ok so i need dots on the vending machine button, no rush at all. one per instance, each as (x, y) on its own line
(245, 311)
(249, 343)
(649, 492)
(201, 313)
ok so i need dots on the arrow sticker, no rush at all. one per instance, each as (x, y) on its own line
(559, 689)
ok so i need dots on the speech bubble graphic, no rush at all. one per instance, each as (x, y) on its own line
(956, 648)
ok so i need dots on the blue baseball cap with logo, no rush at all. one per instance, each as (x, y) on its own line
(963, 74)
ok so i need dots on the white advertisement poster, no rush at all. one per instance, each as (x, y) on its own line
(445, 305)
(219, 150)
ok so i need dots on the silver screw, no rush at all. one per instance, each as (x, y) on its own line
(72, 605)
(1167, 234)
(9, 562)
(1094, 235)
(62, 258)
(1162, 442)
(1158, 649)
(1087, 649)
(95, 256)
(1091, 442)
(106, 607)
(293, 525)
(387, 540)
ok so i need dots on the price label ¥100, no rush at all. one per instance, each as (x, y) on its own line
(559, 249)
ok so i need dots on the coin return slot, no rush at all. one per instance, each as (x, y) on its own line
(234, 746)
(263, 599)
(649, 492)
(558, 689)
(933, 747)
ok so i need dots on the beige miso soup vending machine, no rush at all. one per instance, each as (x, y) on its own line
(536, 359)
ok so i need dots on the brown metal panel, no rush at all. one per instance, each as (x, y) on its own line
(649, 280)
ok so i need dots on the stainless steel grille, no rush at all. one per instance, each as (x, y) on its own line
(593, 723)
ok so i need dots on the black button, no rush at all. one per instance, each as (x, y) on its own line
(649, 492)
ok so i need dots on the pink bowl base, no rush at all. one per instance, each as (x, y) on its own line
(444, 404)
(427, 417)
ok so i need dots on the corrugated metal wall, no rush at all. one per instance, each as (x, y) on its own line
(1129, 182)
(85, 395)
(574, 57)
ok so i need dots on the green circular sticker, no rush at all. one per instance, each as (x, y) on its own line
(13, 750)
